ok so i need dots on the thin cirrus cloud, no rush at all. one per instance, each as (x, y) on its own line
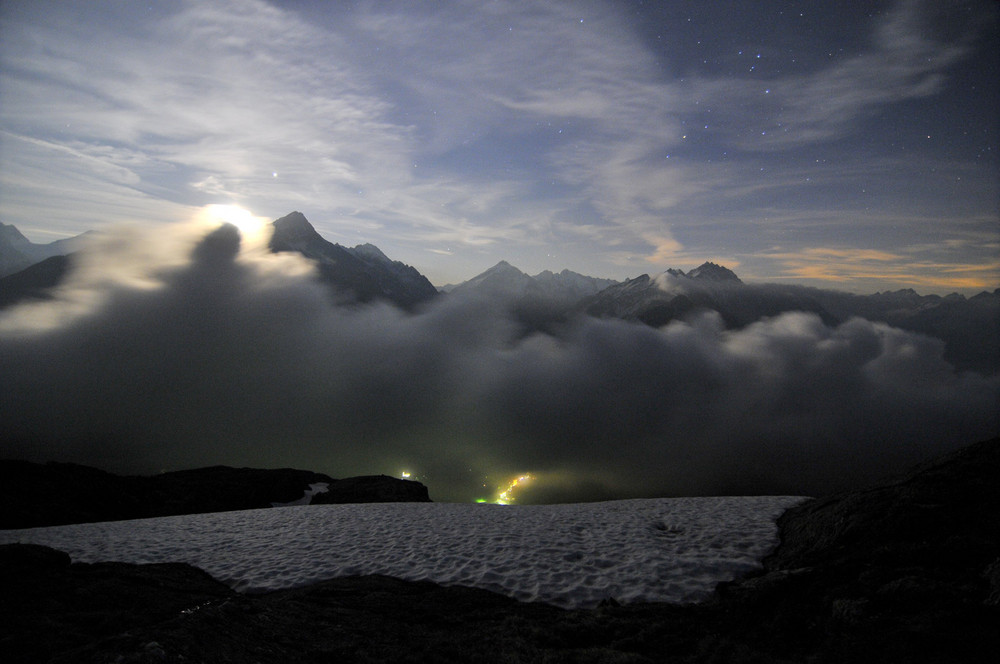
(471, 131)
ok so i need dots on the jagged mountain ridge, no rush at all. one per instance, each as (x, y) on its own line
(969, 327)
(361, 274)
(673, 294)
(506, 281)
(709, 271)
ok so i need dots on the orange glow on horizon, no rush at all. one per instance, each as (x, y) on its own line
(839, 265)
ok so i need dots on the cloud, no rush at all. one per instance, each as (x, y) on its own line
(198, 351)
(916, 266)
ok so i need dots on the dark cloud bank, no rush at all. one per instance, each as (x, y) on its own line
(217, 356)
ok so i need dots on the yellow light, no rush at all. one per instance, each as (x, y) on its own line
(405, 475)
(506, 497)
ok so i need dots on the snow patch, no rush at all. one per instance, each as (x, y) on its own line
(318, 487)
(575, 555)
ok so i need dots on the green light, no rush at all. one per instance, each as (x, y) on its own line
(480, 500)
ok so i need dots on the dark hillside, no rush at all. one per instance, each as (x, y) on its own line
(33, 495)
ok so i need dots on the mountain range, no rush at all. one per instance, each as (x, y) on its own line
(503, 280)
(544, 302)
(355, 275)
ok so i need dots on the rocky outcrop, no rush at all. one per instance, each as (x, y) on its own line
(51, 608)
(908, 567)
(372, 489)
(33, 495)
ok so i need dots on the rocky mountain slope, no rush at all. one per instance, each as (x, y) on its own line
(360, 274)
(906, 571)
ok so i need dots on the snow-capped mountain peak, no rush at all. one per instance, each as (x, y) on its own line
(501, 279)
(505, 280)
(364, 272)
(371, 252)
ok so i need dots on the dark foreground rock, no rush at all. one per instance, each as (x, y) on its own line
(905, 571)
(908, 571)
(372, 489)
(52, 494)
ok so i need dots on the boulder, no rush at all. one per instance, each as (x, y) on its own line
(51, 607)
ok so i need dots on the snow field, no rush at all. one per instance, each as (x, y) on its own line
(574, 555)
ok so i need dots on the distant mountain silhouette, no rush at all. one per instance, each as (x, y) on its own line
(361, 274)
(673, 295)
(969, 327)
(18, 252)
(543, 303)
(501, 280)
(505, 280)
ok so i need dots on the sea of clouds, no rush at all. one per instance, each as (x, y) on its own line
(183, 346)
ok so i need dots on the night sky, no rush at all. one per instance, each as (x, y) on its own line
(843, 145)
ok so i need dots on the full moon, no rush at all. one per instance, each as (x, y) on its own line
(251, 227)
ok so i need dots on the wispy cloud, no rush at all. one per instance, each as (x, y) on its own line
(495, 128)
(911, 267)
(902, 62)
